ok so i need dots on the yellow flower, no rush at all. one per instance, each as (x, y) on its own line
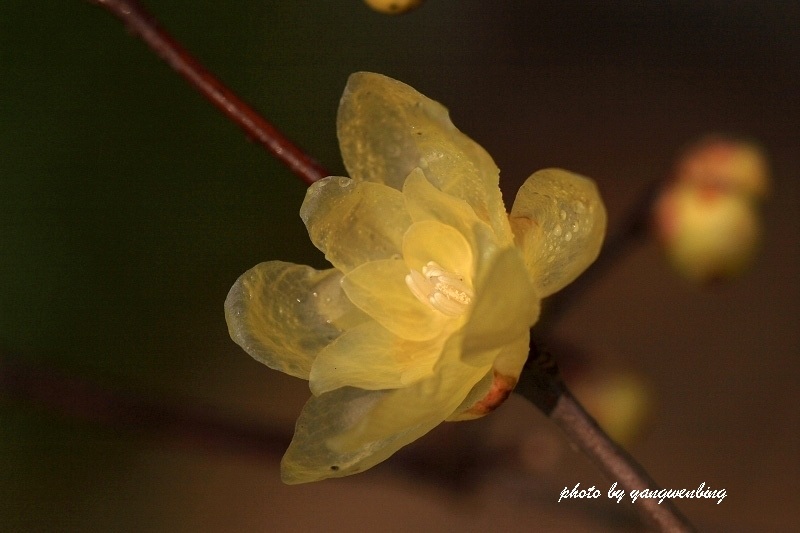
(425, 315)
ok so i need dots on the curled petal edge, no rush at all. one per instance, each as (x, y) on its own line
(282, 314)
(559, 222)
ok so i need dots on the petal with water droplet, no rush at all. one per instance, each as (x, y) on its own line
(559, 222)
(283, 314)
(354, 223)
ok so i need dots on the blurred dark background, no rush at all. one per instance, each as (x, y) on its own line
(128, 206)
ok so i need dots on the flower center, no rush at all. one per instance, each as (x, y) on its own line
(441, 290)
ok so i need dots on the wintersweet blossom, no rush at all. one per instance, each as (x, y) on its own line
(425, 315)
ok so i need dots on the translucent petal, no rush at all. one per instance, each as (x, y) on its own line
(349, 430)
(411, 411)
(433, 241)
(352, 222)
(512, 357)
(282, 314)
(505, 308)
(478, 391)
(309, 458)
(386, 129)
(559, 222)
(426, 202)
(370, 357)
(498, 383)
(379, 289)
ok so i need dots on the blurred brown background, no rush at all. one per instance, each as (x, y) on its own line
(128, 207)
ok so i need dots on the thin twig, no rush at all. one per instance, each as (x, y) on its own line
(144, 26)
(541, 385)
(615, 463)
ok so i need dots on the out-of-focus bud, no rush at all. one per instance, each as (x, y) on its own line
(707, 217)
(733, 166)
(708, 234)
(620, 399)
(621, 402)
(393, 7)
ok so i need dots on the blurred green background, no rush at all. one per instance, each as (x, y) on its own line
(128, 206)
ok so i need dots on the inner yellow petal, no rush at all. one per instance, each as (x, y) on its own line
(432, 241)
(379, 289)
(426, 202)
(370, 357)
(505, 308)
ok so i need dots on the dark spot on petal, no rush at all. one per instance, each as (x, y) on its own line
(334, 468)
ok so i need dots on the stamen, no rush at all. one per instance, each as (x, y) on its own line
(441, 290)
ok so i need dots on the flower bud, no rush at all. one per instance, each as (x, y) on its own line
(708, 234)
(393, 7)
(735, 166)
(707, 218)
(620, 401)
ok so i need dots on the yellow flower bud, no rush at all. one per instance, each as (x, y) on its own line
(736, 167)
(620, 401)
(708, 234)
(393, 7)
(707, 217)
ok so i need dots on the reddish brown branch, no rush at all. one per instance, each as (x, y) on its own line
(144, 26)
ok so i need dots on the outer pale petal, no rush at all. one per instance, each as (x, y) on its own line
(282, 314)
(354, 222)
(512, 357)
(370, 357)
(559, 222)
(386, 129)
(498, 383)
(350, 430)
(379, 289)
(478, 392)
(309, 458)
